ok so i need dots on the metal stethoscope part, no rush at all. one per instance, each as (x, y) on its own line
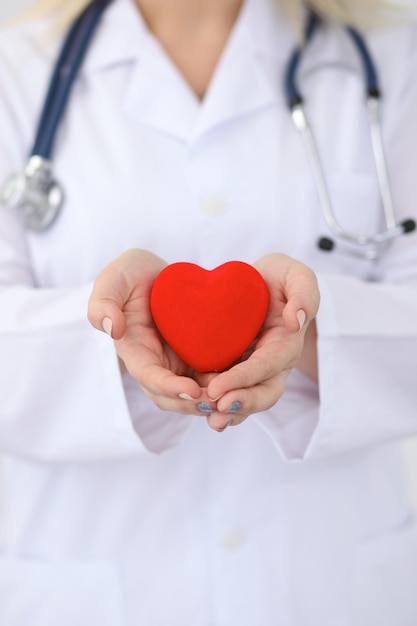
(35, 193)
(366, 246)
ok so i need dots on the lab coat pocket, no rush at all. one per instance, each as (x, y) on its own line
(69, 593)
(385, 578)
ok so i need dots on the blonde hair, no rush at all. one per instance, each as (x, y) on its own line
(65, 11)
(360, 13)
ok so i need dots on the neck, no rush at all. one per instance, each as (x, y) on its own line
(155, 11)
(193, 33)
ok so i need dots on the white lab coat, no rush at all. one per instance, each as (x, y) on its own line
(117, 514)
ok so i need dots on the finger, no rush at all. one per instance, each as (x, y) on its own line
(182, 402)
(203, 379)
(219, 422)
(236, 406)
(303, 297)
(105, 310)
(254, 399)
(294, 284)
(175, 405)
(159, 382)
(265, 363)
(115, 285)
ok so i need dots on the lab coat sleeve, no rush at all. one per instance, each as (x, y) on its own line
(367, 330)
(367, 364)
(61, 391)
(62, 396)
(367, 393)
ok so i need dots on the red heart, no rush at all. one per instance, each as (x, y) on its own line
(209, 317)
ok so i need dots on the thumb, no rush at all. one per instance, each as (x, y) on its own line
(105, 308)
(132, 272)
(303, 297)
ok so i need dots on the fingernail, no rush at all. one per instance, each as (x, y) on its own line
(236, 406)
(204, 407)
(221, 430)
(107, 325)
(185, 396)
(301, 316)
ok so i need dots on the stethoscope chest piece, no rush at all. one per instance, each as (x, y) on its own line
(34, 194)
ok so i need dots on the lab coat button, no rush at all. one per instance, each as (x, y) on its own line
(232, 541)
(214, 205)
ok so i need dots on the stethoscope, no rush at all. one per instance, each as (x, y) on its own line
(35, 193)
(367, 246)
(39, 197)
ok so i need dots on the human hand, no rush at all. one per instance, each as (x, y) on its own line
(257, 383)
(119, 304)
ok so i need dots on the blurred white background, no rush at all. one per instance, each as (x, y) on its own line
(410, 450)
(10, 9)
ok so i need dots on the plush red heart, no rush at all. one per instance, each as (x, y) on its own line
(209, 317)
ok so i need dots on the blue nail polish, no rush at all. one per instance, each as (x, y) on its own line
(236, 406)
(206, 408)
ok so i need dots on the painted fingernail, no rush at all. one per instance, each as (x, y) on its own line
(107, 325)
(185, 396)
(236, 406)
(204, 407)
(301, 316)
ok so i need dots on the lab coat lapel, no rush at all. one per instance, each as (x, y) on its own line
(239, 86)
(249, 75)
(159, 96)
(248, 78)
(156, 94)
(118, 40)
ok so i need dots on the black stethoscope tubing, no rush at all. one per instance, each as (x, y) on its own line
(66, 70)
(366, 246)
(293, 94)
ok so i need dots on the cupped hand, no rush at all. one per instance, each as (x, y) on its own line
(119, 304)
(258, 382)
